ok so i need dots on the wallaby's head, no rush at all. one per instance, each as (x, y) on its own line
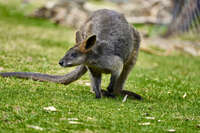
(77, 55)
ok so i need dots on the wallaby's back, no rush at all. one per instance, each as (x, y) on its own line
(111, 28)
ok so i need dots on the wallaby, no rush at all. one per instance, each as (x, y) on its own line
(106, 43)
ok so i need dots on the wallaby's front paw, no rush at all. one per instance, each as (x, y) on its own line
(98, 97)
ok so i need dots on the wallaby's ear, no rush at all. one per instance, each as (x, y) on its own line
(78, 37)
(88, 44)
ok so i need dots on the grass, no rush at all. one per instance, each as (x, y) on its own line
(170, 86)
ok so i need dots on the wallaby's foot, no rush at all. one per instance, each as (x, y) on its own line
(131, 95)
(107, 94)
(98, 96)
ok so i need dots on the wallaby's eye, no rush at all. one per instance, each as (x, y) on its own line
(74, 54)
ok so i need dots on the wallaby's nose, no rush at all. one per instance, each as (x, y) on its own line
(61, 62)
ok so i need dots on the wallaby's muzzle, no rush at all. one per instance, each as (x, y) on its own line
(64, 64)
(61, 63)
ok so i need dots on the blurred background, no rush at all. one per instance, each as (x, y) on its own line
(165, 24)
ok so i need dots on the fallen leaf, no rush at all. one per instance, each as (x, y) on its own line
(185, 95)
(84, 82)
(150, 118)
(90, 118)
(29, 59)
(145, 123)
(70, 112)
(125, 97)
(1, 68)
(87, 84)
(63, 119)
(171, 130)
(50, 108)
(72, 119)
(35, 127)
(74, 122)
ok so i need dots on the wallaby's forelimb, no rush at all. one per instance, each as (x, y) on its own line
(64, 79)
(95, 82)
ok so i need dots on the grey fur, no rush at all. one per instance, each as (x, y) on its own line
(114, 51)
(106, 43)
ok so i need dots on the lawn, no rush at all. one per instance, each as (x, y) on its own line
(170, 86)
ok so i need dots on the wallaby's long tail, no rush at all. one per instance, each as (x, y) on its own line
(64, 79)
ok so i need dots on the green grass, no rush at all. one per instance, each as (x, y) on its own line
(28, 44)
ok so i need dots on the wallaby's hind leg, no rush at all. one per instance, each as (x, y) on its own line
(117, 81)
(112, 86)
(115, 74)
(123, 76)
(95, 82)
(120, 84)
